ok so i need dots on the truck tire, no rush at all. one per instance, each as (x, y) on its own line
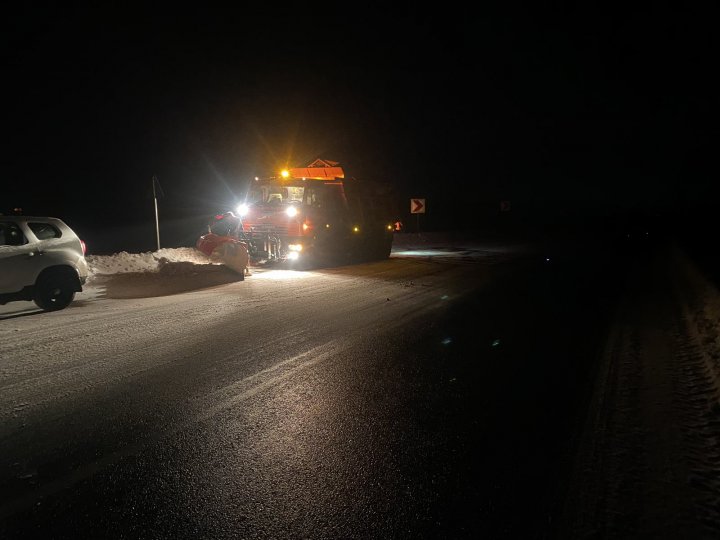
(55, 290)
(379, 251)
(385, 250)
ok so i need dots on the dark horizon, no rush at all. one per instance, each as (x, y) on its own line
(565, 114)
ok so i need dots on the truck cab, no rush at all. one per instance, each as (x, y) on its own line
(307, 213)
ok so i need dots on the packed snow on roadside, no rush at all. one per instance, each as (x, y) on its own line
(158, 273)
(143, 275)
(648, 464)
(190, 261)
(701, 311)
(175, 270)
(151, 261)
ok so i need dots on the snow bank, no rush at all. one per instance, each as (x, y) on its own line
(173, 261)
(702, 316)
(191, 261)
(157, 273)
(175, 270)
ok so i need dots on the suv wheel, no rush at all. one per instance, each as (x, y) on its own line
(54, 291)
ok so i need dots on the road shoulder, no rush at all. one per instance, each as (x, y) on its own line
(648, 462)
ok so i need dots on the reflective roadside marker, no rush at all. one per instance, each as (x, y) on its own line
(496, 343)
(447, 341)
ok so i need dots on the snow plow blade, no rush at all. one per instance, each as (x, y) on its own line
(234, 256)
(225, 250)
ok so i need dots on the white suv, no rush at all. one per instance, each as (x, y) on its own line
(41, 259)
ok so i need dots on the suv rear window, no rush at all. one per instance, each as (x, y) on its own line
(44, 231)
(11, 235)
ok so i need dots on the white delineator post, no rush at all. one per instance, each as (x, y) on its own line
(157, 222)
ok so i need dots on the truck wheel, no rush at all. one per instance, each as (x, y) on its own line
(379, 251)
(383, 251)
(54, 292)
(387, 250)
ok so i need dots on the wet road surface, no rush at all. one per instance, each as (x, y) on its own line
(407, 398)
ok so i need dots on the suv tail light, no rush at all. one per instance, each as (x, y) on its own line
(84, 247)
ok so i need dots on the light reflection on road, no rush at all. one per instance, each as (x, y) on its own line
(280, 275)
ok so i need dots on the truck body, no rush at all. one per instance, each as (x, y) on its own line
(313, 213)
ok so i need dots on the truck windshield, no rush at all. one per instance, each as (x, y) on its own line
(277, 194)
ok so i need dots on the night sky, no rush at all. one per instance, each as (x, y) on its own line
(564, 112)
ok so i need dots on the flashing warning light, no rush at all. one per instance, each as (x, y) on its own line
(356, 229)
(285, 173)
(307, 225)
(389, 227)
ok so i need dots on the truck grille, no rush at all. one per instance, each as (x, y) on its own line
(267, 228)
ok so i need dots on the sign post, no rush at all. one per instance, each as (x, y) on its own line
(417, 206)
(157, 222)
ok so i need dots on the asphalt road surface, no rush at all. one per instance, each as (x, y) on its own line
(414, 397)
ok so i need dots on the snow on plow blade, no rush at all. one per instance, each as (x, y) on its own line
(234, 256)
(225, 250)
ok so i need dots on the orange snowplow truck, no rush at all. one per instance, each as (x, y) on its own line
(314, 213)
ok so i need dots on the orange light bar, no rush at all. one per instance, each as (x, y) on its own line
(318, 173)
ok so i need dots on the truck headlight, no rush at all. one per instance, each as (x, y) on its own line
(242, 209)
(291, 211)
(295, 247)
